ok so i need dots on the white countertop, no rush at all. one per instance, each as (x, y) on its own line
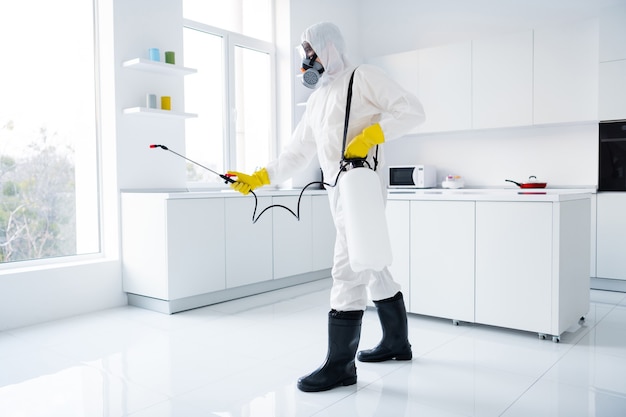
(492, 194)
(461, 194)
(229, 193)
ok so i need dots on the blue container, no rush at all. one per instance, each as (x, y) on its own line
(151, 101)
(155, 54)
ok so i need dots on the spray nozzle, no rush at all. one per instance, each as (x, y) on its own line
(159, 146)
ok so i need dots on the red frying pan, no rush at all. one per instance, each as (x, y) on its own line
(532, 183)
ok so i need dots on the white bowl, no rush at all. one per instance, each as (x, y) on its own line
(452, 184)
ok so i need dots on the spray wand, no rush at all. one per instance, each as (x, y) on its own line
(227, 179)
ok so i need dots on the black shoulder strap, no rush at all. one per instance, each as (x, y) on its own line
(347, 117)
(347, 121)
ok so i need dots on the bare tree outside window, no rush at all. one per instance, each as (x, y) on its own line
(48, 158)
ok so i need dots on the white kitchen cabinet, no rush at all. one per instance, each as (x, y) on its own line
(442, 259)
(502, 83)
(187, 250)
(324, 233)
(444, 76)
(548, 75)
(248, 245)
(612, 104)
(613, 33)
(398, 215)
(497, 257)
(441, 78)
(612, 96)
(401, 67)
(292, 238)
(611, 235)
(532, 264)
(172, 248)
(566, 73)
(514, 265)
(195, 234)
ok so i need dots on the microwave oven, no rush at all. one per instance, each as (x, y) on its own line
(412, 176)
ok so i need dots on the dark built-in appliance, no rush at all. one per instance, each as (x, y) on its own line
(612, 163)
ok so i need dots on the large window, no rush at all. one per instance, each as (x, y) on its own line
(252, 18)
(48, 160)
(233, 90)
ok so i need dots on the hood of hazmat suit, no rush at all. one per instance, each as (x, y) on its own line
(326, 40)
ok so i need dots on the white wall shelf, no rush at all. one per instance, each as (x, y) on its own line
(145, 111)
(143, 64)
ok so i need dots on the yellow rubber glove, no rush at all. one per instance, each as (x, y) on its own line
(361, 143)
(246, 183)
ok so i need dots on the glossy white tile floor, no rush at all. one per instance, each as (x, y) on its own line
(242, 358)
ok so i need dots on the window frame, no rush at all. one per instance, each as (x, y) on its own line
(231, 40)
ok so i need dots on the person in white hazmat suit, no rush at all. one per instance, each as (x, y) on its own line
(380, 110)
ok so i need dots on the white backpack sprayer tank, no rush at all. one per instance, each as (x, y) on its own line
(360, 194)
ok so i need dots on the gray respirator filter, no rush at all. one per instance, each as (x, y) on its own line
(312, 71)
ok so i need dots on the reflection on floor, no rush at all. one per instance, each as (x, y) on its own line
(242, 358)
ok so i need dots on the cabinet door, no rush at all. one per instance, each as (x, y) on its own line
(292, 239)
(612, 90)
(398, 214)
(248, 245)
(442, 259)
(611, 235)
(445, 87)
(195, 246)
(401, 67)
(514, 291)
(144, 244)
(502, 80)
(323, 233)
(613, 33)
(566, 73)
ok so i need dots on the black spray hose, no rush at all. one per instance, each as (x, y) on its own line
(228, 179)
(344, 163)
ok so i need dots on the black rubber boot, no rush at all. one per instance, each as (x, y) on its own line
(395, 342)
(344, 332)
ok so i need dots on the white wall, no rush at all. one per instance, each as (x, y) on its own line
(564, 156)
(36, 295)
(140, 25)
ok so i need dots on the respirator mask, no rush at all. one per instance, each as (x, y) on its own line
(311, 69)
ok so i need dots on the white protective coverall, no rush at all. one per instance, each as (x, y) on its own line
(375, 99)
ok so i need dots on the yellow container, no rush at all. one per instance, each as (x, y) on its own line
(166, 103)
